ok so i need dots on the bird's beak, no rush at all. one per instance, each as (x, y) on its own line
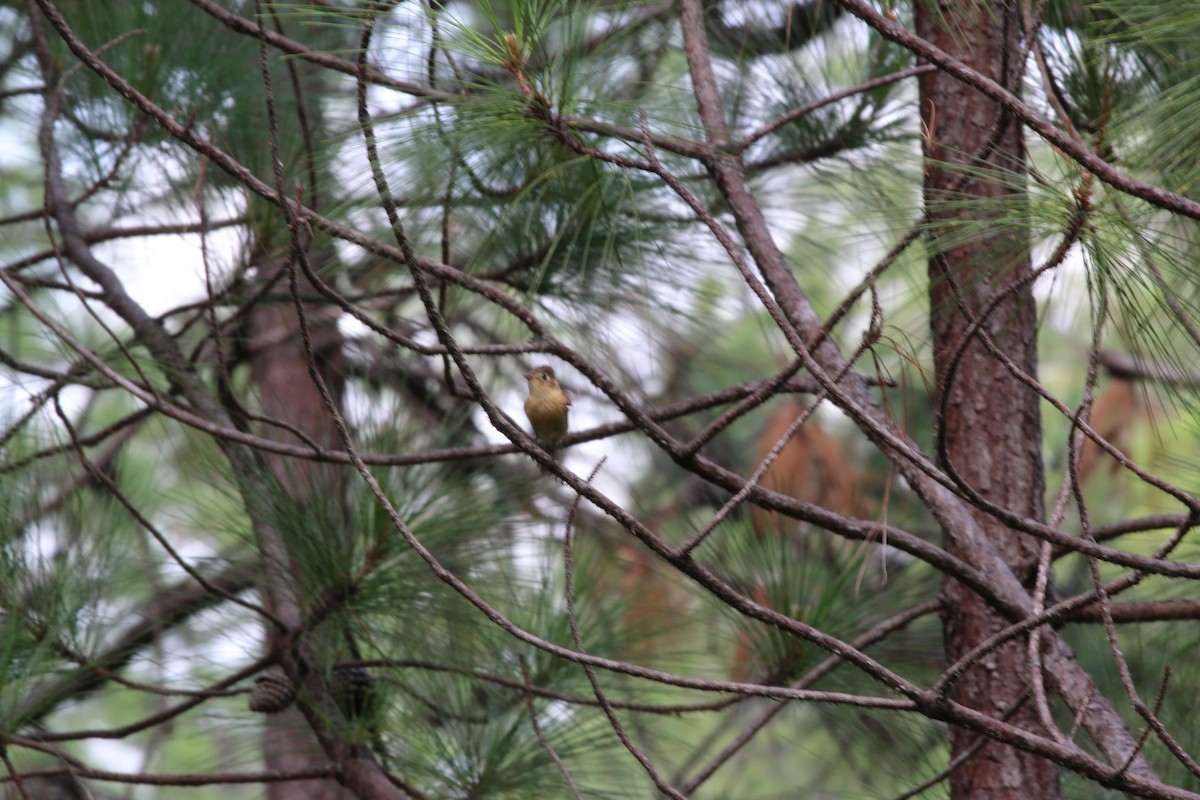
(527, 375)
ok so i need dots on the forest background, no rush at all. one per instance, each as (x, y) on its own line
(879, 322)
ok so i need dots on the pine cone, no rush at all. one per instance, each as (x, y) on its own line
(354, 692)
(273, 692)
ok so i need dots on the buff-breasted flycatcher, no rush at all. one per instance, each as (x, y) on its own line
(546, 407)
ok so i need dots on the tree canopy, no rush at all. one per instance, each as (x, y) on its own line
(879, 327)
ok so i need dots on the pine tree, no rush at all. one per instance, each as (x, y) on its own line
(877, 323)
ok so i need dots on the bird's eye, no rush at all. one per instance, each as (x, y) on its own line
(545, 377)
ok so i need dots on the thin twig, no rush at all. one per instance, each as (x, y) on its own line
(101, 477)
(541, 737)
(573, 622)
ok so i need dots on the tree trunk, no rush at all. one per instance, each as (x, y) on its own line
(991, 423)
(286, 392)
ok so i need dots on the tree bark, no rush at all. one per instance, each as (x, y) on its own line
(286, 392)
(991, 424)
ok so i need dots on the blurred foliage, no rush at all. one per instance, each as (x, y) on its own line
(623, 270)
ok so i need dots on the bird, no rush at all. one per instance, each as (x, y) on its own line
(546, 407)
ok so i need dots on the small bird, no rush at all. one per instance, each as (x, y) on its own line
(546, 407)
